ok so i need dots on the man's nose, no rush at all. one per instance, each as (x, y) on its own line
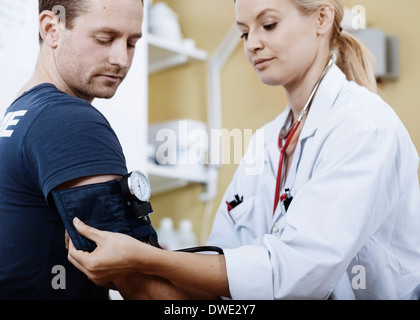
(119, 55)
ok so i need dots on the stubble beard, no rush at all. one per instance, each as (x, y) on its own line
(96, 87)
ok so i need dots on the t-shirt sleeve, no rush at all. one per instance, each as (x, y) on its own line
(69, 141)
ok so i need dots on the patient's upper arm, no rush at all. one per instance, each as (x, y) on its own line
(87, 181)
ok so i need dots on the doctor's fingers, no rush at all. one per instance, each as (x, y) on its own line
(91, 233)
(77, 257)
(112, 258)
(88, 264)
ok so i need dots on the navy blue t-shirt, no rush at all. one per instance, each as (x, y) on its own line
(47, 137)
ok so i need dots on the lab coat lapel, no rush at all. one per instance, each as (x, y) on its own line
(324, 100)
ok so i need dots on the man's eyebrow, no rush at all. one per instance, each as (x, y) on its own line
(261, 14)
(137, 35)
(114, 32)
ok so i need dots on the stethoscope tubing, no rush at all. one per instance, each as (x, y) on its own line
(285, 133)
(288, 134)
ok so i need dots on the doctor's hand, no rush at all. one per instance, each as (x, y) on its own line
(114, 264)
(113, 258)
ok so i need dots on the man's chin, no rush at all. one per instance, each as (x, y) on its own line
(104, 94)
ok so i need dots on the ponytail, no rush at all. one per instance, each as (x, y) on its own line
(355, 60)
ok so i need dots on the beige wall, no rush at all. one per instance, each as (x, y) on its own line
(400, 18)
(181, 92)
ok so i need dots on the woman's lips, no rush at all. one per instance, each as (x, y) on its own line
(261, 64)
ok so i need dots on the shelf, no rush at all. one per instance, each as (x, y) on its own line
(164, 178)
(164, 53)
(196, 174)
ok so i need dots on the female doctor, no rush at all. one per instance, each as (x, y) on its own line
(331, 206)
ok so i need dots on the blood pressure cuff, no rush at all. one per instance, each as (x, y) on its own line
(102, 206)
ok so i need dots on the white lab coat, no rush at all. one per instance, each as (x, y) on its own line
(352, 230)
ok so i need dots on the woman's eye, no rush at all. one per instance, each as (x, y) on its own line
(271, 26)
(244, 36)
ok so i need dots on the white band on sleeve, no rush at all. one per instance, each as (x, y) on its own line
(249, 273)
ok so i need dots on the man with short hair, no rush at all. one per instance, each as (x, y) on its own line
(53, 139)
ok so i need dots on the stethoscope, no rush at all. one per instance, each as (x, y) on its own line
(288, 134)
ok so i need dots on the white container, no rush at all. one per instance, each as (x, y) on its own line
(167, 236)
(186, 235)
(164, 22)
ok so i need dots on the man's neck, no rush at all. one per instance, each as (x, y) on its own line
(39, 76)
(45, 73)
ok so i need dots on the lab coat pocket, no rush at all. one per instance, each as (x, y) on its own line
(241, 210)
(246, 220)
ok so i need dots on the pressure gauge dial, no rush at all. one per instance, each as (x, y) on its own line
(137, 185)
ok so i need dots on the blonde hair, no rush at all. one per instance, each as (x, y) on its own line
(353, 58)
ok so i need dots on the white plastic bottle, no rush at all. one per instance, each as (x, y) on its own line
(167, 236)
(186, 235)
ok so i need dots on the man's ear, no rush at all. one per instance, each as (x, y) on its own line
(325, 16)
(49, 28)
